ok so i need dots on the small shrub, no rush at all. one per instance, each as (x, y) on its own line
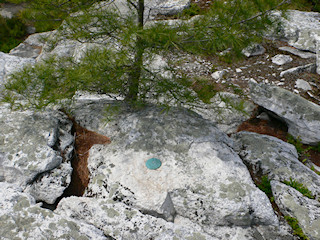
(293, 222)
(193, 10)
(302, 151)
(265, 186)
(300, 187)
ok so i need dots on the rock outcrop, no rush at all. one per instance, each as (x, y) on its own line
(31, 146)
(299, 29)
(292, 203)
(301, 116)
(275, 158)
(22, 218)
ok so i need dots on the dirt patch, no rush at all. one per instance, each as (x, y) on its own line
(84, 140)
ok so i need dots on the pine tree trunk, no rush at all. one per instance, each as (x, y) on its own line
(136, 68)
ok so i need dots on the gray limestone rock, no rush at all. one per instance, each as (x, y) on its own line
(302, 84)
(50, 186)
(297, 52)
(31, 47)
(21, 218)
(253, 50)
(299, 29)
(292, 203)
(31, 146)
(277, 159)
(301, 69)
(226, 117)
(123, 222)
(9, 64)
(301, 115)
(206, 180)
(281, 59)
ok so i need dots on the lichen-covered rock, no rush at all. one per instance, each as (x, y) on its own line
(31, 47)
(277, 159)
(21, 218)
(299, 29)
(253, 50)
(224, 116)
(123, 222)
(31, 147)
(9, 64)
(200, 178)
(301, 115)
(51, 185)
(292, 203)
(281, 59)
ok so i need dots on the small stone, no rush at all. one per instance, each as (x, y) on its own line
(153, 163)
(219, 74)
(238, 70)
(302, 84)
(253, 50)
(281, 59)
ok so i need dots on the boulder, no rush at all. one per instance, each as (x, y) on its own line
(302, 84)
(201, 178)
(31, 47)
(253, 50)
(224, 116)
(297, 52)
(123, 222)
(292, 203)
(301, 115)
(33, 146)
(311, 68)
(281, 59)
(21, 218)
(271, 156)
(298, 29)
(9, 64)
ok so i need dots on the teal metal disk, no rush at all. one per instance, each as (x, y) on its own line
(153, 163)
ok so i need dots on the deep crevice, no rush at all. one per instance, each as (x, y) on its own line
(84, 140)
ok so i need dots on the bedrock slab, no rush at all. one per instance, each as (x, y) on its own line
(301, 115)
(292, 203)
(32, 148)
(271, 156)
(22, 218)
(201, 178)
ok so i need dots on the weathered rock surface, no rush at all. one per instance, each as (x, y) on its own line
(297, 52)
(281, 59)
(21, 218)
(31, 146)
(31, 47)
(302, 84)
(311, 68)
(277, 159)
(253, 50)
(299, 29)
(294, 204)
(200, 179)
(301, 116)
(225, 117)
(9, 64)
(123, 222)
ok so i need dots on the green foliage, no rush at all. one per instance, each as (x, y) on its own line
(293, 222)
(265, 186)
(12, 32)
(302, 151)
(306, 5)
(193, 10)
(123, 67)
(300, 187)
(316, 148)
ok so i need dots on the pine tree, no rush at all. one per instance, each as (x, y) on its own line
(123, 70)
